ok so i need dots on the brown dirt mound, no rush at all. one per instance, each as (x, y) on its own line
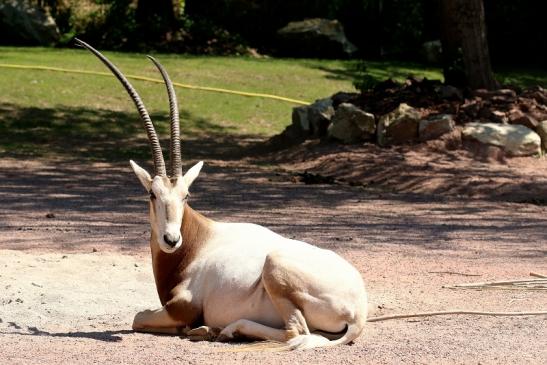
(431, 168)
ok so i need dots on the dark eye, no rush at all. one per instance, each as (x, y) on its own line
(152, 195)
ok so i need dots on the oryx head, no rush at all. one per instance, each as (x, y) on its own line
(168, 193)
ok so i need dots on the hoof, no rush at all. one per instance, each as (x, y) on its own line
(203, 333)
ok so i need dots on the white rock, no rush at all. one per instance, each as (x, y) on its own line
(542, 132)
(514, 139)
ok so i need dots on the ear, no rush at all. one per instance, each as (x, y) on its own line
(143, 175)
(191, 174)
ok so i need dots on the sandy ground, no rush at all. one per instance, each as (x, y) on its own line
(75, 268)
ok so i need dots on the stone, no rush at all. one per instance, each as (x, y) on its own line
(399, 126)
(319, 116)
(312, 120)
(432, 51)
(542, 132)
(500, 99)
(517, 116)
(351, 124)
(450, 92)
(496, 116)
(300, 122)
(23, 22)
(343, 97)
(514, 140)
(538, 113)
(537, 93)
(436, 126)
(472, 108)
(315, 38)
(486, 94)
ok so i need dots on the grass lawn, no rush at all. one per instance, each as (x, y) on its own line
(52, 113)
(85, 116)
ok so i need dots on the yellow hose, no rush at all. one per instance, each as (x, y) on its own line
(149, 79)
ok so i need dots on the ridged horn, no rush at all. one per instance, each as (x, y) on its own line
(175, 155)
(159, 163)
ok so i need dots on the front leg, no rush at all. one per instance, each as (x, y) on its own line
(157, 321)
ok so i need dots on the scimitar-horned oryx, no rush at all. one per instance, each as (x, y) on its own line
(240, 277)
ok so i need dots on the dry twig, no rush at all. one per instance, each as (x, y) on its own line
(444, 313)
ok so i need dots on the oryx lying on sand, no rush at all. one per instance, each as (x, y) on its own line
(240, 277)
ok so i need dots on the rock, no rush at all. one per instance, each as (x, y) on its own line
(23, 22)
(472, 108)
(537, 93)
(343, 97)
(436, 126)
(399, 126)
(312, 120)
(486, 94)
(515, 140)
(450, 92)
(351, 124)
(300, 122)
(319, 116)
(432, 51)
(538, 113)
(542, 132)
(517, 116)
(496, 116)
(503, 99)
(315, 38)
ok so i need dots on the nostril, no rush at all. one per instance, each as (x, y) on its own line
(169, 240)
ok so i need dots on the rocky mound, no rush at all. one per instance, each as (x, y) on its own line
(506, 122)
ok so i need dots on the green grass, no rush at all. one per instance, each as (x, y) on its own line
(523, 77)
(48, 113)
(399, 71)
(45, 113)
(292, 78)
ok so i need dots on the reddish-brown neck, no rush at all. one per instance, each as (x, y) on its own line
(170, 268)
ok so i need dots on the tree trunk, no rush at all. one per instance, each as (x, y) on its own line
(453, 69)
(465, 47)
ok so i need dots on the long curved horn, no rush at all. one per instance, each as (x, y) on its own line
(174, 157)
(159, 163)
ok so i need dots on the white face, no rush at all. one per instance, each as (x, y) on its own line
(167, 200)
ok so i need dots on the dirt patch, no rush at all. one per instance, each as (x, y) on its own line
(427, 168)
(74, 264)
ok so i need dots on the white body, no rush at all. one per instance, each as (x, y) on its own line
(244, 278)
(224, 279)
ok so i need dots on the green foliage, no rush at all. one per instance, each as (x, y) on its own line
(522, 77)
(403, 25)
(119, 25)
(363, 79)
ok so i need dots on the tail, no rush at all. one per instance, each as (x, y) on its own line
(304, 342)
